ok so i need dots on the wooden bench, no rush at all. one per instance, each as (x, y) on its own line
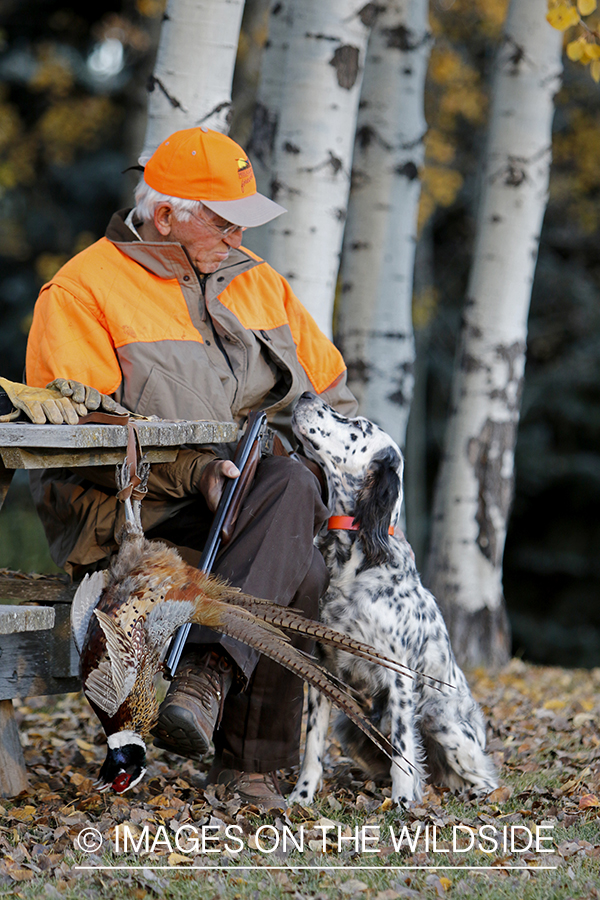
(37, 657)
(37, 653)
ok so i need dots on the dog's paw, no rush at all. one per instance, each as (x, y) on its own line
(302, 794)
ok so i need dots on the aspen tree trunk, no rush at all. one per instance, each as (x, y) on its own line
(192, 78)
(475, 485)
(374, 328)
(312, 141)
(267, 114)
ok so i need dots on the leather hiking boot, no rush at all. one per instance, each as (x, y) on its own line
(193, 706)
(260, 788)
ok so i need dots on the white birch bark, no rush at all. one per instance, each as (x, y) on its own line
(475, 485)
(312, 145)
(192, 78)
(267, 113)
(374, 327)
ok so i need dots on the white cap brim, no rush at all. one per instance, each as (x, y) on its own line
(248, 212)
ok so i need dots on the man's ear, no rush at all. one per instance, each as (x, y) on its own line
(163, 219)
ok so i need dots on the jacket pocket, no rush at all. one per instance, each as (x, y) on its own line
(171, 398)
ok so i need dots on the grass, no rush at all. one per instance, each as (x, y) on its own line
(556, 784)
(22, 540)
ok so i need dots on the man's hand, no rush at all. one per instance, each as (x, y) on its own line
(214, 478)
(85, 399)
(41, 405)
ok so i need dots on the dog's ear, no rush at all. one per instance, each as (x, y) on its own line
(375, 505)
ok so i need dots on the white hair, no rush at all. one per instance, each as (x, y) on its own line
(147, 199)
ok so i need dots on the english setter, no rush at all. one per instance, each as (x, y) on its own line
(376, 595)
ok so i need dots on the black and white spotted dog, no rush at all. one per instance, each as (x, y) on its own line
(376, 595)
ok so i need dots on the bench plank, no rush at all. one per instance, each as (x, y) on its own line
(51, 458)
(86, 437)
(40, 663)
(46, 589)
(14, 619)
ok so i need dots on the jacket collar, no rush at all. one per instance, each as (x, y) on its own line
(167, 259)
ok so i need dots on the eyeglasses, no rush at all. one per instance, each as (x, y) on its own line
(222, 230)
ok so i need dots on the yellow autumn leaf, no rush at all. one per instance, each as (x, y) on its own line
(595, 70)
(588, 801)
(576, 49)
(177, 859)
(445, 883)
(590, 52)
(562, 17)
(555, 703)
(586, 7)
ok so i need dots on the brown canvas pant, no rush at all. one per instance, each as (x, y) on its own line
(270, 555)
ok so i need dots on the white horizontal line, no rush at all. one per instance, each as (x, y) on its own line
(321, 868)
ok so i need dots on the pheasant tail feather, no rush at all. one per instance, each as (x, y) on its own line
(252, 632)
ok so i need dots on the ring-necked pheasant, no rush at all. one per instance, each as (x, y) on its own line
(122, 619)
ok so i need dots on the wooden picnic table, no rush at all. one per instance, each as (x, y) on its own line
(37, 653)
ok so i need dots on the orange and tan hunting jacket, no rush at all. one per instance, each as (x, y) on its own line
(133, 319)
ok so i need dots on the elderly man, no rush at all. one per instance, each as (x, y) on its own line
(170, 316)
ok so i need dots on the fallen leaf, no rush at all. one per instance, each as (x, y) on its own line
(353, 886)
(588, 800)
(178, 859)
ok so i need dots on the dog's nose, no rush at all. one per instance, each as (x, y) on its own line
(308, 395)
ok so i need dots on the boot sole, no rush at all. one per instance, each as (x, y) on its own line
(178, 732)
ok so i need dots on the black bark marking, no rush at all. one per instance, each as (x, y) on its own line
(515, 174)
(291, 148)
(225, 104)
(345, 63)
(359, 370)
(275, 188)
(153, 82)
(399, 38)
(368, 14)
(409, 170)
(276, 9)
(335, 163)
(264, 129)
(364, 136)
(322, 37)
(470, 364)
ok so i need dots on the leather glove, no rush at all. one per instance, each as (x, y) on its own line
(39, 404)
(85, 399)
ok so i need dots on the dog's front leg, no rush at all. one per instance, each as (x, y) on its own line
(316, 734)
(407, 761)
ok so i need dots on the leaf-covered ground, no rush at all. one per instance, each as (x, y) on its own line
(545, 738)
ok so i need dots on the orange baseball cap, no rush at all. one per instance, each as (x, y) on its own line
(199, 164)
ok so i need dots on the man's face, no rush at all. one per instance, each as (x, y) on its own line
(206, 246)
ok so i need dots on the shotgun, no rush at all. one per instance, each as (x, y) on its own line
(247, 456)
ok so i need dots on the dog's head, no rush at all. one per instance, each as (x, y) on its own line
(363, 467)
